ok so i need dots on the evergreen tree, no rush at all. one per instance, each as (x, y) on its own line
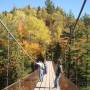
(49, 6)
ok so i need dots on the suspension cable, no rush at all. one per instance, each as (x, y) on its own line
(15, 39)
(19, 69)
(82, 7)
(19, 46)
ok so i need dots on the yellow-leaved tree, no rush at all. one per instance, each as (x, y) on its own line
(37, 30)
(35, 35)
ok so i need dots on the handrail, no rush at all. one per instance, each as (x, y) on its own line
(15, 39)
(26, 77)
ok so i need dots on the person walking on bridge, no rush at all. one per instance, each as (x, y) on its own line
(58, 74)
(41, 70)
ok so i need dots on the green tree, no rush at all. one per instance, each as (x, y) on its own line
(49, 6)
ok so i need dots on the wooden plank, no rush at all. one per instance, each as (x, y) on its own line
(52, 76)
(38, 86)
(47, 82)
(43, 83)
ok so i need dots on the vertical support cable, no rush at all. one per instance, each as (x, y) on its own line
(22, 63)
(8, 62)
(76, 74)
(65, 67)
(49, 75)
(19, 69)
(23, 68)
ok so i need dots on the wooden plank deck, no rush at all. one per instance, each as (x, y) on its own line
(29, 82)
(48, 81)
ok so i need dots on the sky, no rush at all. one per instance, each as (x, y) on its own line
(67, 5)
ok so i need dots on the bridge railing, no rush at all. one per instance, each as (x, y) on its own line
(27, 83)
(14, 59)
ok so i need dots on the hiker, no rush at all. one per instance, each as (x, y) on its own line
(58, 74)
(41, 70)
(45, 68)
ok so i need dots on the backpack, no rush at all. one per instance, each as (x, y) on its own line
(45, 69)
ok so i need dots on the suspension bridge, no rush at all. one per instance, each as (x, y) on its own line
(31, 82)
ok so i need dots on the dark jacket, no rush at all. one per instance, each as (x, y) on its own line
(58, 70)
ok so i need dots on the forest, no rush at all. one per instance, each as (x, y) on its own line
(46, 32)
